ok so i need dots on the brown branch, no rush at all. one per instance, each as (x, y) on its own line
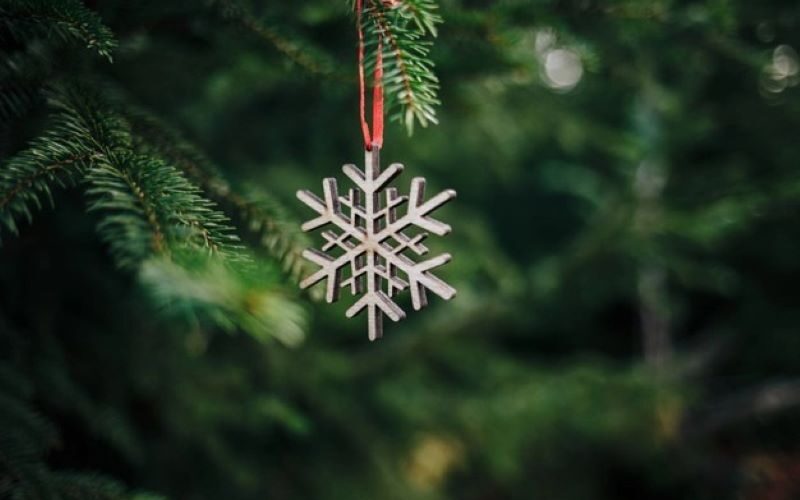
(159, 239)
(206, 235)
(27, 182)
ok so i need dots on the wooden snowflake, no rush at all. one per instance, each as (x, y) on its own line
(367, 250)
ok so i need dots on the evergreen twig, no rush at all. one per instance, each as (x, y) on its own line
(410, 83)
(300, 51)
(66, 20)
(261, 216)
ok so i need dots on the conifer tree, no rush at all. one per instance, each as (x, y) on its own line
(623, 248)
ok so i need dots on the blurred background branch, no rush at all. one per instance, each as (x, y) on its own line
(624, 249)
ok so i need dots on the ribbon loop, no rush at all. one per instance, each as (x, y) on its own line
(376, 137)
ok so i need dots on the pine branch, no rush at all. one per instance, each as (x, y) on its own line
(146, 206)
(77, 486)
(263, 217)
(88, 120)
(275, 230)
(58, 157)
(149, 208)
(134, 232)
(24, 476)
(25, 438)
(66, 20)
(300, 51)
(15, 99)
(30, 430)
(54, 158)
(247, 300)
(410, 83)
(22, 76)
(422, 12)
(73, 486)
(153, 217)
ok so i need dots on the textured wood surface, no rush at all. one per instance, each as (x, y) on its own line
(367, 249)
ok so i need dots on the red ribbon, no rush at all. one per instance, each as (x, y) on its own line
(376, 138)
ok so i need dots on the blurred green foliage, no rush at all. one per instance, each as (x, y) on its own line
(625, 250)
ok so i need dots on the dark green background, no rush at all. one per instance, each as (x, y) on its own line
(658, 198)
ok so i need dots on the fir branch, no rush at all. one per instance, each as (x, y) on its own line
(58, 157)
(83, 486)
(155, 137)
(88, 121)
(32, 433)
(150, 212)
(246, 300)
(23, 474)
(149, 207)
(72, 486)
(22, 76)
(25, 438)
(135, 231)
(261, 216)
(66, 20)
(146, 206)
(275, 230)
(410, 83)
(422, 12)
(54, 158)
(300, 51)
(16, 97)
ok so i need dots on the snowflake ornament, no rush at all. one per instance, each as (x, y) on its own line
(367, 249)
